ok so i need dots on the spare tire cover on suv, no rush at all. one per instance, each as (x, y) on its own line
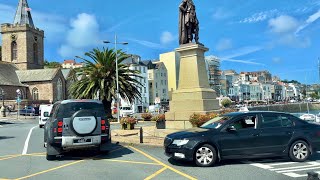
(83, 122)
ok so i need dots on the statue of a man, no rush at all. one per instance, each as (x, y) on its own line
(188, 22)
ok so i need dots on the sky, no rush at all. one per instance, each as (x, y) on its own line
(246, 35)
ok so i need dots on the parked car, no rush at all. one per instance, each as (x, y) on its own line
(44, 114)
(27, 111)
(244, 135)
(126, 111)
(76, 124)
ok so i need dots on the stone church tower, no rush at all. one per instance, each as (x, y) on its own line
(22, 42)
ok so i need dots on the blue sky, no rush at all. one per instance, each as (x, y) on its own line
(247, 35)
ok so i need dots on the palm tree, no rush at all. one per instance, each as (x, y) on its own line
(98, 78)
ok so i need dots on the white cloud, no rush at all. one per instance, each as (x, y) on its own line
(53, 25)
(276, 60)
(283, 24)
(84, 33)
(284, 28)
(260, 16)
(166, 37)
(147, 43)
(224, 44)
(243, 61)
(221, 14)
(242, 51)
(309, 21)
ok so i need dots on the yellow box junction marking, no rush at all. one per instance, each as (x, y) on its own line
(48, 170)
(156, 173)
(157, 161)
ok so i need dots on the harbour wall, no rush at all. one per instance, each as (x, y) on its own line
(291, 108)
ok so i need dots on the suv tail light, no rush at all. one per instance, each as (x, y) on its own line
(60, 129)
(103, 126)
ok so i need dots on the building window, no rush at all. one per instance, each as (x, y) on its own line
(145, 100)
(165, 74)
(59, 90)
(35, 53)
(161, 82)
(157, 95)
(161, 74)
(14, 51)
(165, 82)
(35, 94)
(144, 69)
(145, 90)
(163, 91)
(156, 85)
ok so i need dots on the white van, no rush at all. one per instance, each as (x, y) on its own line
(44, 112)
(126, 111)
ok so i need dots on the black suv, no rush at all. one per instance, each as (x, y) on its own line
(76, 124)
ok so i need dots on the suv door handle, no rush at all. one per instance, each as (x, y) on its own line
(256, 134)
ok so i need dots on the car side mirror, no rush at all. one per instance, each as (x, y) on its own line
(231, 128)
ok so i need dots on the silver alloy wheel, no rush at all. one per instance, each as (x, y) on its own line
(300, 151)
(204, 155)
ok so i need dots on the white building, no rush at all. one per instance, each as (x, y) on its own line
(68, 64)
(140, 104)
(158, 83)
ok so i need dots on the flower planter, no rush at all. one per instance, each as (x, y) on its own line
(130, 126)
(161, 124)
(123, 126)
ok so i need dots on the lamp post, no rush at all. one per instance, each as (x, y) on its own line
(117, 75)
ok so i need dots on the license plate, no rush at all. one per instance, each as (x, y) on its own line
(82, 140)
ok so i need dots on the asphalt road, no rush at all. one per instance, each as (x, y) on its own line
(126, 162)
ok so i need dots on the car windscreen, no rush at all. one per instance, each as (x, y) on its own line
(216, 122)
(67, 110)
(126, 108)
(46, 114)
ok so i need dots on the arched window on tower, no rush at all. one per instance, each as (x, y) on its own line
(59, 90)
(35, 53)
(35, 94)
(14, 51)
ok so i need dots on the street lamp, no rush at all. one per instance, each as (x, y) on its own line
(117, 75)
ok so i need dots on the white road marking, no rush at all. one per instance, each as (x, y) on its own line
(311, 164)
(295, 175)
(302, 169)
(280, 164)
(263, 166)
(26, 144)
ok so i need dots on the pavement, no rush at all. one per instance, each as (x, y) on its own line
(22, 156)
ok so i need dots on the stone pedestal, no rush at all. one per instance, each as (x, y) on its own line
(194, 94)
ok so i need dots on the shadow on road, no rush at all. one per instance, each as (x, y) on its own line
(6, 123)
(5, 137)
(116, 151)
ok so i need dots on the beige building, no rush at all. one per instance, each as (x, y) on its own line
(171, 61)
(158, 82)
(21, 67)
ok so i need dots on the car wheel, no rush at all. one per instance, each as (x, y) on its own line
(51, 157)
(205, 155)
(299, 151)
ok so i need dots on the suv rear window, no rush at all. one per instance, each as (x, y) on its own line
(67, 110)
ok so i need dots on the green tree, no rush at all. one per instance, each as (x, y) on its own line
(314, 95)
(52, 64)
(98, 76)
(226, 102)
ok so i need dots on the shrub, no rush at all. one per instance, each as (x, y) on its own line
(198, 119)
(124, 120)
(160, 117)
(226, 103)
(146, 116)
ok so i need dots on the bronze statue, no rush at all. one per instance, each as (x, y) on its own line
(188, 23)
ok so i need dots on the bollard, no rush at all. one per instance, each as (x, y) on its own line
(141, 135)
(313, 176)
